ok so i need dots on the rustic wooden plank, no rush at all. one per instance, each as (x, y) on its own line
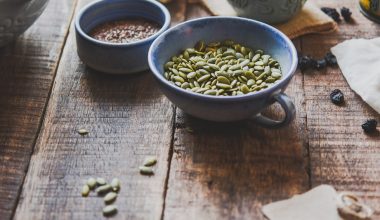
(177, 10)
(27, 70)
(128, 119)
(341, 154)
(226, 171)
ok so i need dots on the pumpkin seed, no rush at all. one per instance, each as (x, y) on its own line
(110, 197)
(103, 189)
(210, 92)
(214, 66)
(146, 170)
(191, 75)
(244, 63)
(276, 75)
(109, 210)
(100, 181)
(91, 182)
(82, 132)
(150, 161)
(115, 184)
(211, 60)
(85, 190)
(244, 89)
(178, 79)
(223, 79)
(185, 70)
(270, 79)
(250, 82)
(255, 58)
(239, 55)
(223, 86)
(204, 78)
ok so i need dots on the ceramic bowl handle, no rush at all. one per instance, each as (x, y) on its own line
(290, 112)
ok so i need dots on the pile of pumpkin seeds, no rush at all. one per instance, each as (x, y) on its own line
(222, 69)
(147, 169)
(102, 188)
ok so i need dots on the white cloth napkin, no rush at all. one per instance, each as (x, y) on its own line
(359, 60)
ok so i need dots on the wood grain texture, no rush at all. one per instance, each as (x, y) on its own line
(127, 118)
(27, 69)
(226, 171)
(341, 154)
(219, 171)
(177, 10)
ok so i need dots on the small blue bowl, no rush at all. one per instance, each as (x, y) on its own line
(253, 34)
(117, 58)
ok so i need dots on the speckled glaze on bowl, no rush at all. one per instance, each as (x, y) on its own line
(16, 16)
(117, 58)
(268, 11)
(248, 32)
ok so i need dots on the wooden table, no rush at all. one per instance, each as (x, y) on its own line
(221, 171)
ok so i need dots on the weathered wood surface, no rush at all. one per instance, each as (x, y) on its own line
(27, 69)
(220, 171)
(128, 119)
(340, 153)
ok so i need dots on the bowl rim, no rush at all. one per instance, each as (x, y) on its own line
(87, 7)
(278, 86)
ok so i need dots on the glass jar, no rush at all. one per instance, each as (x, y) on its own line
(371, 9)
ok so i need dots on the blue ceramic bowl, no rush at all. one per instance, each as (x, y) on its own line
(248, 32)
(111, 57)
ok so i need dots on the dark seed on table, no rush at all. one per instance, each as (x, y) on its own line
(337, 97)
(331, 59)
(306, 62)
(346, 14)
(370, 126)
(332, 12)
(321, 64)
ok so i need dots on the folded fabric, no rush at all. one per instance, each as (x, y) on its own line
(359, 60)
(310, 20)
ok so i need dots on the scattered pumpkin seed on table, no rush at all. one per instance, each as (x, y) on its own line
(82, 132)
(100, 181)
(115, 183)
(109, 210)
(222, 69)
(85, 190)
(146, 170)
(110, 197)
(150, 161)
(91, 182)
(103, 189)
